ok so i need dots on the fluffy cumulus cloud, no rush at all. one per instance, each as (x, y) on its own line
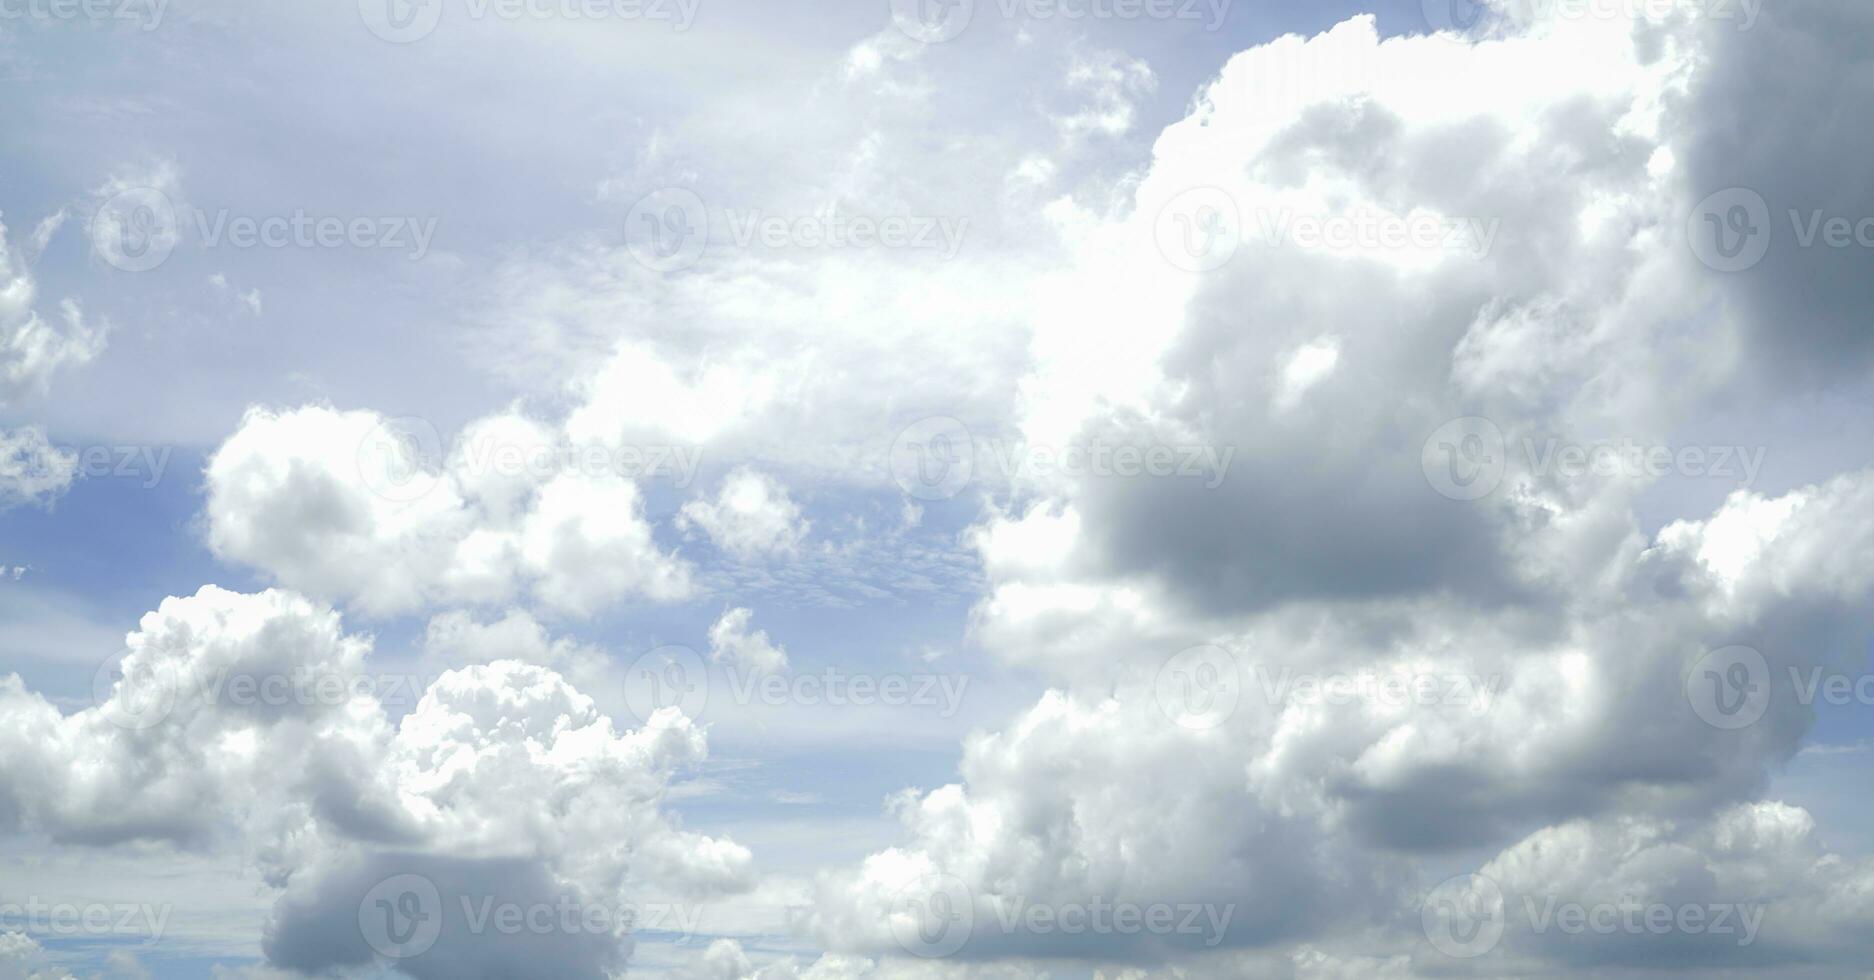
(1345, 669)
(1344, 665)
(501, 791)
(358, 506)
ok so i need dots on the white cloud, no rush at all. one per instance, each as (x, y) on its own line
(730, 642)
(33, 471)
(751, 516)
(503, 783)
(358, 506)
(33, 348)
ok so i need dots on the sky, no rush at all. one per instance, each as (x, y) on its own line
(917, 489)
